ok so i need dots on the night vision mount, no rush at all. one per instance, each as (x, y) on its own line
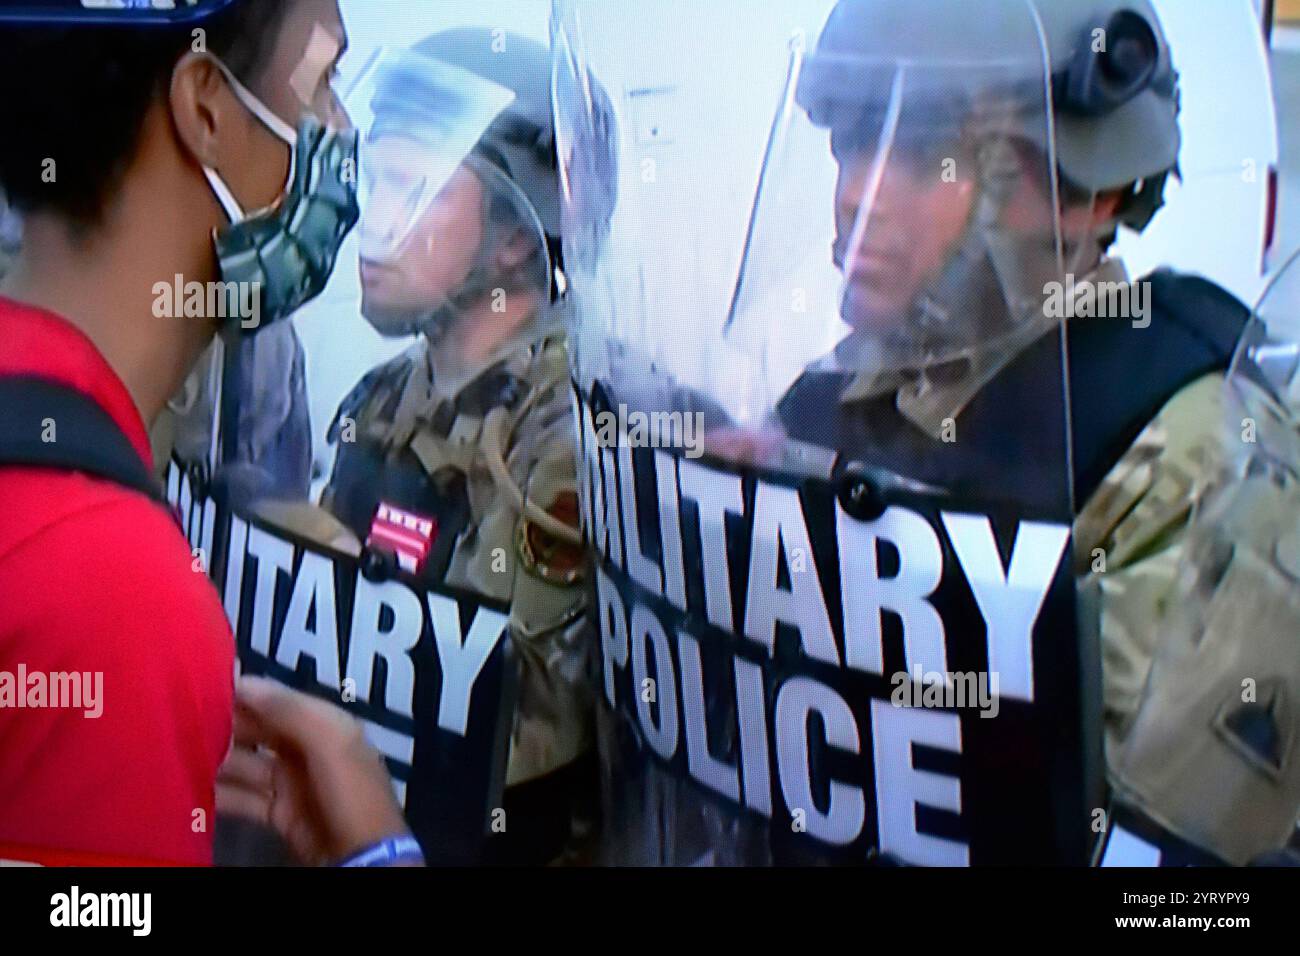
(1098, 82)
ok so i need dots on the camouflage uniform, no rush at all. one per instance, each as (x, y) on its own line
(274, 433)
(1199, 617)
(494, 463)
(1130, 537)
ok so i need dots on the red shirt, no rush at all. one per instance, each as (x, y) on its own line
(98, 579)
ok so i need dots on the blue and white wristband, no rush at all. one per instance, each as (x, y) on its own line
(390, 852)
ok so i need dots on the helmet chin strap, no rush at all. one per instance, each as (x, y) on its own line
(483, 276)
(943, 314)
(437, 322)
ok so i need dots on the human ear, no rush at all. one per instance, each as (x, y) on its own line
(202, 107)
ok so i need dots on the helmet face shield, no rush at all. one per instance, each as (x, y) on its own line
(1269, 353)
(476, 237)
(400, 180)
(420, 119)
(443, 224)
(587, 142)
(1262, 415)
(942, 217)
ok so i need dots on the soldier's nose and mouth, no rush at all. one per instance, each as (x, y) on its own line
(876, 258)
(874, 271)
(374, 275)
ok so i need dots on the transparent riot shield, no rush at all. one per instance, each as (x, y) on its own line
(821, 393)
(1208, 771)
(396, 465)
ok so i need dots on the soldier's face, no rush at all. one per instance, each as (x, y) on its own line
(1030, 211)
(437, 256)
(891, 248)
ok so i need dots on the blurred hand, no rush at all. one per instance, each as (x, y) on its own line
(746, 446)
(302, 766)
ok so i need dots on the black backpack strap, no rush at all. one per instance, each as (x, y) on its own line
(85, 438)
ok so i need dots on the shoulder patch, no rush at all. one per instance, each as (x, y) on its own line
(544, 555)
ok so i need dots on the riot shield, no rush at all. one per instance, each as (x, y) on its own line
(1208, 770)
(413, 558)
(822, 401)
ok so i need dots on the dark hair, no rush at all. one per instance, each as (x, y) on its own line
(78, 96)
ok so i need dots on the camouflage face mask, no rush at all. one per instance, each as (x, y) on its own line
(286, 253)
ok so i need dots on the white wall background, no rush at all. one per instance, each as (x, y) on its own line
(1214, 221)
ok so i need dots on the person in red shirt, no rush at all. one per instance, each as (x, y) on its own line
(136, 143)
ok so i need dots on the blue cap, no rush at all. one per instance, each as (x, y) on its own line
(121, 13)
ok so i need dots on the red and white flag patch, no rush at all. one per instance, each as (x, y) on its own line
(407, 536)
